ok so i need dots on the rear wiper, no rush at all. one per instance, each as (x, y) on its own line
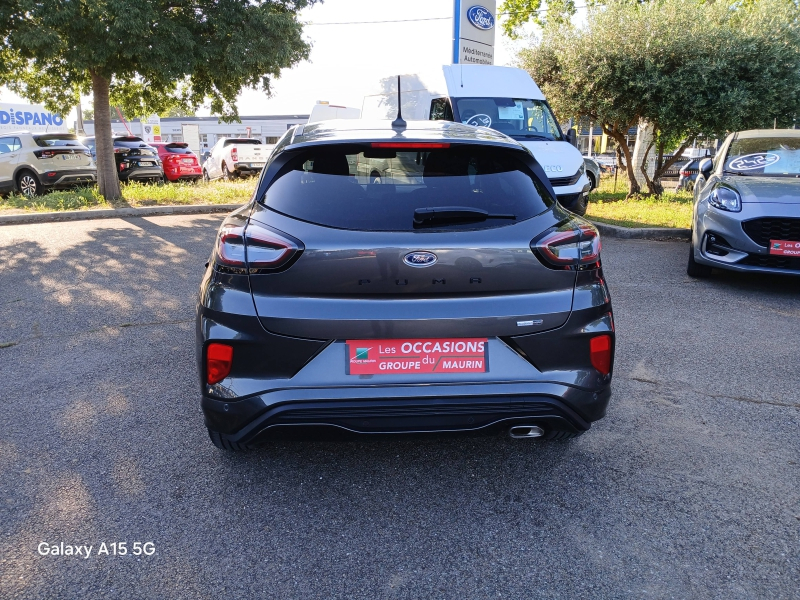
(423, 216)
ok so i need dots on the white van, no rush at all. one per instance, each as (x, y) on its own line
(503, 98)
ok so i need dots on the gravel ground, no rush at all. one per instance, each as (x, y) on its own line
(690, 488)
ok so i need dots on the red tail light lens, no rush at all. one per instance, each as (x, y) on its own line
(571, 248)
(600, 352)
(234, 154)
(254, 247)
(219, 360)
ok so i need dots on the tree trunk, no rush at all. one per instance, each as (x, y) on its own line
(633, 185)
(654, 187)
(107, 179)
(670, 161)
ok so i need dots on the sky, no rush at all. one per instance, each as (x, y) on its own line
(348, 60)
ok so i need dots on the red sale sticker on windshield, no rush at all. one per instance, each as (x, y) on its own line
(458, 355)
(784, 248)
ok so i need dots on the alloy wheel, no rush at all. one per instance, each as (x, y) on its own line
(28, 186)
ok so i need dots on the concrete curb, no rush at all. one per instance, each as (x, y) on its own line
(648, 233)
(116, 213)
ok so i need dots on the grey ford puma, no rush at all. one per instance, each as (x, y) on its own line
(452, 294)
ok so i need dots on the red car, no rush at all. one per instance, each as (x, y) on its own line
(180, 163)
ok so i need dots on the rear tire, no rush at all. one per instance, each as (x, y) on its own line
(206, 178)
(28, 185)
(225, 444)
(579, 208)
(694, 269)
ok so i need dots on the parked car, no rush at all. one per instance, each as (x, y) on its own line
(33, 163)
(135, 159)
(747, 205)
(688, 174)
(466, 300)
(178, 161)
(235, 157)
(592, 171)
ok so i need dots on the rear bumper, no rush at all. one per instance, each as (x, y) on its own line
(142, 173)
(68, 179)
(404, 409)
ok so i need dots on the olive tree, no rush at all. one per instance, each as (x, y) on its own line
(146, 56)
(685, 66)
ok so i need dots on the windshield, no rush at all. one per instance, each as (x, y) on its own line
(518, 118)
(773, 156)
(350, 187)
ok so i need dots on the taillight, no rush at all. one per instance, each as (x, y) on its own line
(600, 353)
(219, 360)
(421, 146)
(253, 248)
(234, 154)
(573, 248)
(44, 153)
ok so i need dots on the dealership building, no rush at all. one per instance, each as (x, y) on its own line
(267, 128)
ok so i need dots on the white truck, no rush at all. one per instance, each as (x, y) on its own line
(503, 98)
(235, 157)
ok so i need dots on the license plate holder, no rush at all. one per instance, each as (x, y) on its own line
(417, 356)
(784, 248)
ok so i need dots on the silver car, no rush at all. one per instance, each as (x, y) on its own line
(747, 205)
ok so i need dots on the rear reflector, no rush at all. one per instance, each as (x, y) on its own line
(219, 359)
(234, 154)
(600, 351)
(422, 146)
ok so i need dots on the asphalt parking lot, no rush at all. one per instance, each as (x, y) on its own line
(690, 488)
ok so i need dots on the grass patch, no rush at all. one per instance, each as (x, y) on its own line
(135, 194)
(672, 209)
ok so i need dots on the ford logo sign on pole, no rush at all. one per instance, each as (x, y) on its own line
(473, 32)
(480, 17)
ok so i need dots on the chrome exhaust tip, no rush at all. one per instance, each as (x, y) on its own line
(520, 432)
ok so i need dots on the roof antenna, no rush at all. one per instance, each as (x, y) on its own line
(399, 123)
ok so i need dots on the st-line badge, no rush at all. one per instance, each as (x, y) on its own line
(448, 355)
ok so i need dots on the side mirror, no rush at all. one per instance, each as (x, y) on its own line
(705, 167)
(572, 137)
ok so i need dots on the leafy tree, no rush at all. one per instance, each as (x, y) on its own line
(88, 114)
(686, 66)
(519, 12)
(145, 56)
(177, 111)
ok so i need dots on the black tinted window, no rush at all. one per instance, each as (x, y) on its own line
(380, 190)
(57, 139)
(241, 141)
(178, 148)
(130, 142)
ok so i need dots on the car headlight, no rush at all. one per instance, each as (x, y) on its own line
(582, 169)
(725, 198)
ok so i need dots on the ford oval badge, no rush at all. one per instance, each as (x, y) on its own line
(419, 259)
(480, 17)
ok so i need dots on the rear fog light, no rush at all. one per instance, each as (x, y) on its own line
(600, 352)
(219, 359)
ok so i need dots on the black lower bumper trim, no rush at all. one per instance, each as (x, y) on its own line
(420, 416)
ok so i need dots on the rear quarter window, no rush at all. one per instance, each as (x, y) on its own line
(378, 190)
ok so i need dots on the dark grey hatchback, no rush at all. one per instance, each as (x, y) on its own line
(451, 294)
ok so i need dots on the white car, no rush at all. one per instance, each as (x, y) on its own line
(32, 163)
(235, 157)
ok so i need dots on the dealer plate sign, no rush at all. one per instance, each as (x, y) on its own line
(784, 248)
(451, 355)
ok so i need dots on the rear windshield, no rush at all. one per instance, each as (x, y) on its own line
(130, 142)
(178, 148)
(380, 190)
(57, 139)
(240, 141)
(774, 156)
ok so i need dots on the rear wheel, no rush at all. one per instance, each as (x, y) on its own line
(28, 185)
(225, 444)
(206, 178)
(226, 174)
(694, 269)
(579, 208)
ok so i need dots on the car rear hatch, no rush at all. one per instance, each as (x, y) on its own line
(135, 154)
(250, 152)
(373, 261)
(179, 155)
(62, 152)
